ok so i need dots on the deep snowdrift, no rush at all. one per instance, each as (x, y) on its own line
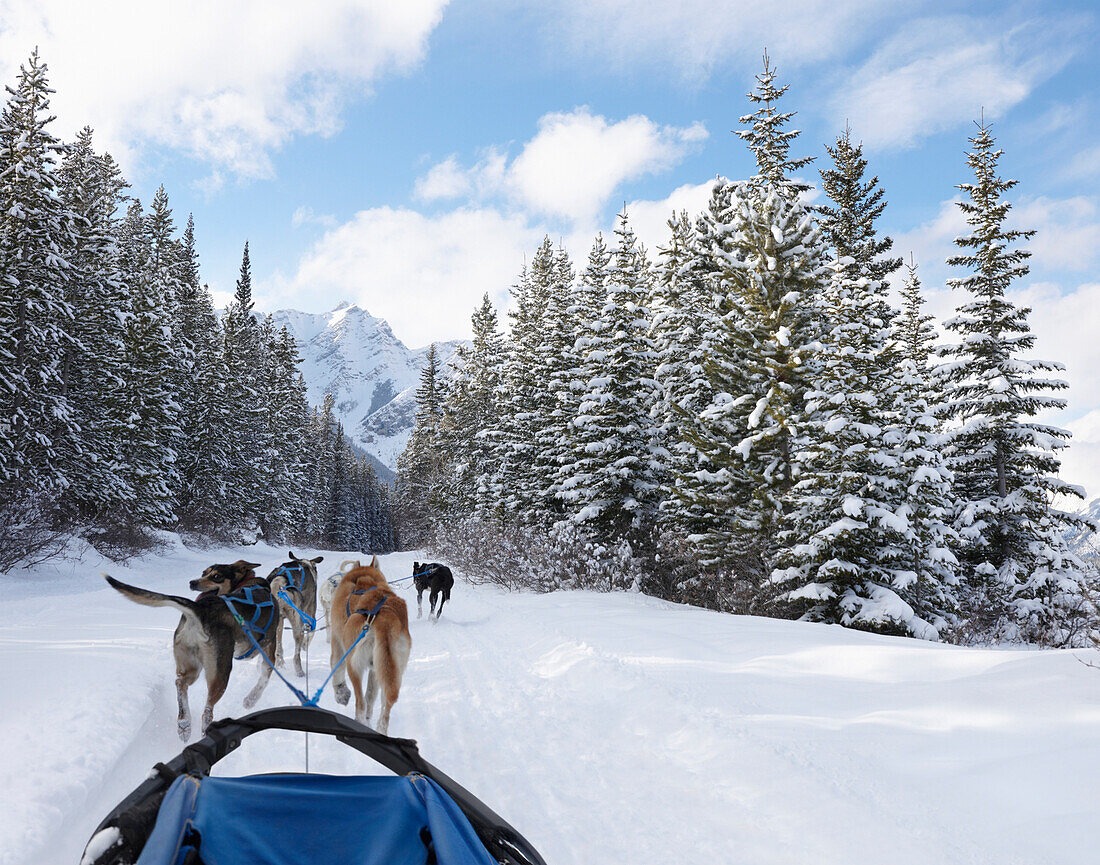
(607, 728)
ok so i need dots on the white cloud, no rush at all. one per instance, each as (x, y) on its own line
(696, 36)
(649, 219)
(224, 81)
(305, 215)
(423, 274)
(572, 166)
(444, 180)
(937, 73)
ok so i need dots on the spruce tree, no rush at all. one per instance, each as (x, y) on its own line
(613, 478)
(40, 445)
(848, 541)
(1021, 579)
(153, 420)
(681, 308)
(94, 365)
(766, 136)
(849, 223)
(244, 358)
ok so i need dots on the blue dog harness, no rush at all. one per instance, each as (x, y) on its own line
(247, 597)
(296, 580)
(368, 614)
(295, 576)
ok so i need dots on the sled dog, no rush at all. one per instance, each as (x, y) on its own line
(438, 578)
(365, 600)
(297, 579)
(327, 589)
(208, 635)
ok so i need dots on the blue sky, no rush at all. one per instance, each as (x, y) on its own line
(406, 156)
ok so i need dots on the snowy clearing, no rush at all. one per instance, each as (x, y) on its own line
(606, 728)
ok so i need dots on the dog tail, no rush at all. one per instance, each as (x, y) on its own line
(386, 668)
(348, 565)
(147, 598)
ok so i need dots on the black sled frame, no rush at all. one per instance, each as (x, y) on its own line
(135, 815)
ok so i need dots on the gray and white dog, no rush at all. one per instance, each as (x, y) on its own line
(295, 583)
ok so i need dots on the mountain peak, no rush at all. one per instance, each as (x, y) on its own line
(357, 358)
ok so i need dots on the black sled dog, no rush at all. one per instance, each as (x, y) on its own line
(210, 633)
(436, 577)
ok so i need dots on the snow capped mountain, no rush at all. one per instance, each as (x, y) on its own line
(1085, 542)
(372, 374)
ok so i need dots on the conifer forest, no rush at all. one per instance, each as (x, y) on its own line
(747, 418)
(130, 405)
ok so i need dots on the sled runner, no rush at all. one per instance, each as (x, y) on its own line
(419, 816)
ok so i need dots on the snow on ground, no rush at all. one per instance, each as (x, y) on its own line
(607, 728)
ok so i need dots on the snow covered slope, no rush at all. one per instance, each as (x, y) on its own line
(356, 357)
(607, 728)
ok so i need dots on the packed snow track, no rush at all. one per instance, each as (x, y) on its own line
(606, 728)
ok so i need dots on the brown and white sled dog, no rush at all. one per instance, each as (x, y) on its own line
(207, 636)
(297, 579)
(365, 598)
(327, 587)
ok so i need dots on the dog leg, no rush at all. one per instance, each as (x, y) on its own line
(360, 706)
(442, 601)
(298, 627)
(218, 666)
(339, 688)
(184, 680)
(258, 689)
(188, 666)
(420, 603)
(372, 691)
(277, 625)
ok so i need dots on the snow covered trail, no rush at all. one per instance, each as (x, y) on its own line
(607, 728)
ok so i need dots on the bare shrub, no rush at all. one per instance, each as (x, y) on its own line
(526, 557)
(28, 534)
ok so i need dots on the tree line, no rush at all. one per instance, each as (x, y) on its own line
(127, 404)
(750, 422)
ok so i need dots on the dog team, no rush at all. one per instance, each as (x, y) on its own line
(238, 614)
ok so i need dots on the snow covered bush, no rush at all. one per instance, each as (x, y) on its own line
(532, 558)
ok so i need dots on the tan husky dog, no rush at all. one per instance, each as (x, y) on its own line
(363, 599)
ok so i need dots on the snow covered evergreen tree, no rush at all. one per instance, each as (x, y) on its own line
(40, 450)
(153, 420)
(94, 366)
(681, 306)
(849, 223)
(848, 545)
(244, 359)
(419, 468)
(768, 321)
(1021, 579)
(471, 418)
(767, 137)
(613, 482)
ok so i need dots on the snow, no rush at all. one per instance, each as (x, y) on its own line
(373, 375)
(605, 727)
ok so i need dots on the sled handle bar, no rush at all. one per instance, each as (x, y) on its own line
(135, 815)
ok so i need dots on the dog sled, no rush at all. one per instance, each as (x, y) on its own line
(181, 815)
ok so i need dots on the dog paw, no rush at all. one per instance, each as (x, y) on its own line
(184, 730)
(207, 718)
(343, 694)
(299, 671)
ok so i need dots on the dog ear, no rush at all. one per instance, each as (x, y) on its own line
(291, 554)
(244, 567)
(416, 567)
(317, 559)
(374, 562)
